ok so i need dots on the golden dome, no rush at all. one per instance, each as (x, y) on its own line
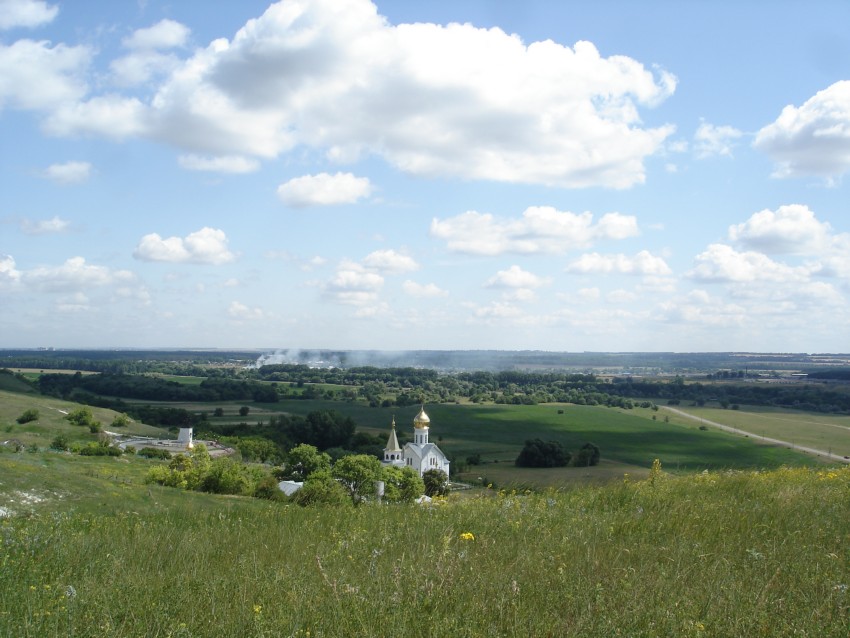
(421, 420)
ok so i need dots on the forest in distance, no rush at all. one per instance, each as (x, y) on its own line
(123, 380)
(640, 363)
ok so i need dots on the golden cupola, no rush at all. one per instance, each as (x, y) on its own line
(421, 421)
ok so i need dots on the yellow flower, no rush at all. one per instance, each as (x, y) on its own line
(467, 536)
(258, 609)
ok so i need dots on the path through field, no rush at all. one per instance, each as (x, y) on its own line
(766, 439)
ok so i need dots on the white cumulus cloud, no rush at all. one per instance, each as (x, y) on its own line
(26, 13)
(711, 140)
(813, 139)
(791, 229)
(36, 75)
(335, 76)
(69, 172)
(354, 285)
(515, 277)
(44, 226)
(423, 291)
(540, 229)
(146, 60)
(74, 275)
(205, 246)
(111, 116)
(643, 263)
(324, 189)
(241, 312)
(220, 164)
(9, 274)
(165, 34)
(721, 263)
(390, 261)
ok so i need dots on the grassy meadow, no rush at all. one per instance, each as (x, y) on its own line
(741, 553)
(705, 545)
(810, 429)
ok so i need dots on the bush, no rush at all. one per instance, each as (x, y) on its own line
(267, 488)
(96, 449)
(120, 421)
(320, 489)
(27, 416)
(154, 453)
(60, 442)
(83, 416)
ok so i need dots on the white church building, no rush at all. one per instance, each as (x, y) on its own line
(420, 455)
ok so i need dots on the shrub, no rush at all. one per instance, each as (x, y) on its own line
(320, 489)
(96, 449)
(83, 416)
(60, 442)
(154, 453)
(120, 421)
(27, 416)
(267, 488)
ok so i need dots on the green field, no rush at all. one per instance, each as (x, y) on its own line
(627, 437)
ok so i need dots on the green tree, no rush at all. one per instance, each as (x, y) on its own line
(244, 410)
(402, 484)
(357, 474)
(588, 455)
(436, 483)
(303, 460)
(539, 453)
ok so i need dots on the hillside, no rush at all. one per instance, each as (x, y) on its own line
(711, 554)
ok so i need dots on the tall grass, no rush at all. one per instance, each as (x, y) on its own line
(713, 554)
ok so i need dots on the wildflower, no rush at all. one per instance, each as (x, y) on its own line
(467, 536)
(258, 609)
(841, 588)
(70, 592)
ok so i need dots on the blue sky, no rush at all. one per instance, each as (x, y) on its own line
(612, 176)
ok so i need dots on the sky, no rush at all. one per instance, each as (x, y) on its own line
(563, 176)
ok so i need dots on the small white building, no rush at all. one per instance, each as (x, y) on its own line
(184, 438)
(421, 455)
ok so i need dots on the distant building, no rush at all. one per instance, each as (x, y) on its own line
(420, 455)
(184, 438)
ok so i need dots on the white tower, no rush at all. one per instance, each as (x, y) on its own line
(393, 453)
(184, 438)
